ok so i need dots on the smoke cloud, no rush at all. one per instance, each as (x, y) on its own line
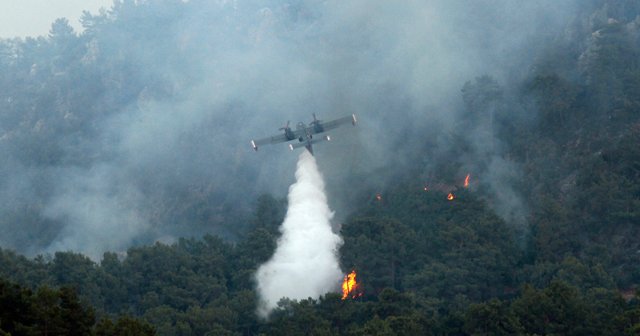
(157, 145)
(305, 263)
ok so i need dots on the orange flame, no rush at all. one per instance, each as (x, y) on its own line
(466, 181)
(350, 286)
(451, 196)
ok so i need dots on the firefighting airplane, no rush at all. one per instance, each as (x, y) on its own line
(304, 134)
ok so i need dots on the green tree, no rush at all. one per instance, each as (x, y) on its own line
(124, 326)
(379, 249)
(491, 318)
(557, 309)
(298, 318)
(78, 318)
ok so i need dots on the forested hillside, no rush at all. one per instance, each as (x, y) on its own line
(514, 208)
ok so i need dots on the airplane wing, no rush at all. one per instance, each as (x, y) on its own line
(329, 125)
(268, 141)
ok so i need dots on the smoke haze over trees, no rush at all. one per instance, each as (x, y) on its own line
(137, 129)
(132, 138)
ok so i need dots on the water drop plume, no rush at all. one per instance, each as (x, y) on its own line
(305, 263)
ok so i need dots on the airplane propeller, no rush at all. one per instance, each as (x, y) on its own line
(315, 120)
(285, 127)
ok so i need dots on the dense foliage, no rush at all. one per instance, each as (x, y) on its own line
(480, 264)
(435, 267)
(48, 311)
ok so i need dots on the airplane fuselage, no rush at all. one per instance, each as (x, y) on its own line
(308, 136)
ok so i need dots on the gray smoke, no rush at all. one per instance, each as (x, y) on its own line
(305, 263)
(224, 72)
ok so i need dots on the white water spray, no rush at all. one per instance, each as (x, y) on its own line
(305, 263)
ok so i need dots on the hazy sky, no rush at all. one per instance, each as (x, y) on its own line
(34, 17)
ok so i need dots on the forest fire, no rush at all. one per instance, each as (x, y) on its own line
(451, 196)
(466, 181)
(350, 288)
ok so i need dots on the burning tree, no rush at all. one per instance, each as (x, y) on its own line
(350, 287)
